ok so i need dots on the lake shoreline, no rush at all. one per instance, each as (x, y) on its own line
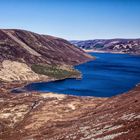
(8, 87)
(29, 87)
(111, 52)
(117, 64)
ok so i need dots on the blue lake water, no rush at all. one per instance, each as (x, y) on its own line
(108, 75)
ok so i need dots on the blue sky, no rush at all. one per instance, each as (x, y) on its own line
(73, 19)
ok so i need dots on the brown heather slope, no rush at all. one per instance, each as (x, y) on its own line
(39, 116)
(32, 48)
(27, 56)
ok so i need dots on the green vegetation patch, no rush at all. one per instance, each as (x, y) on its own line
(55, 72)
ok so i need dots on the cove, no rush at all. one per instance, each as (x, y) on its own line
(108, 75)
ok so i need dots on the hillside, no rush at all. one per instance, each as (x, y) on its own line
(52, 116)
(110, 45)
(28, 56)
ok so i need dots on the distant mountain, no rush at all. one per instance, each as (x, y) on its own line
(110, 45)
(25, 54)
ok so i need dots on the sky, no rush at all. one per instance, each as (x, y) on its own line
(73, 19)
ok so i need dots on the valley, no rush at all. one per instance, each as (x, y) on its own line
(27, 57)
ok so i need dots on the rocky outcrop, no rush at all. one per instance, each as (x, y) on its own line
(16, 71)
(110, 45)
(54, 116)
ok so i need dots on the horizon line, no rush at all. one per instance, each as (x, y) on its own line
(111, 38)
